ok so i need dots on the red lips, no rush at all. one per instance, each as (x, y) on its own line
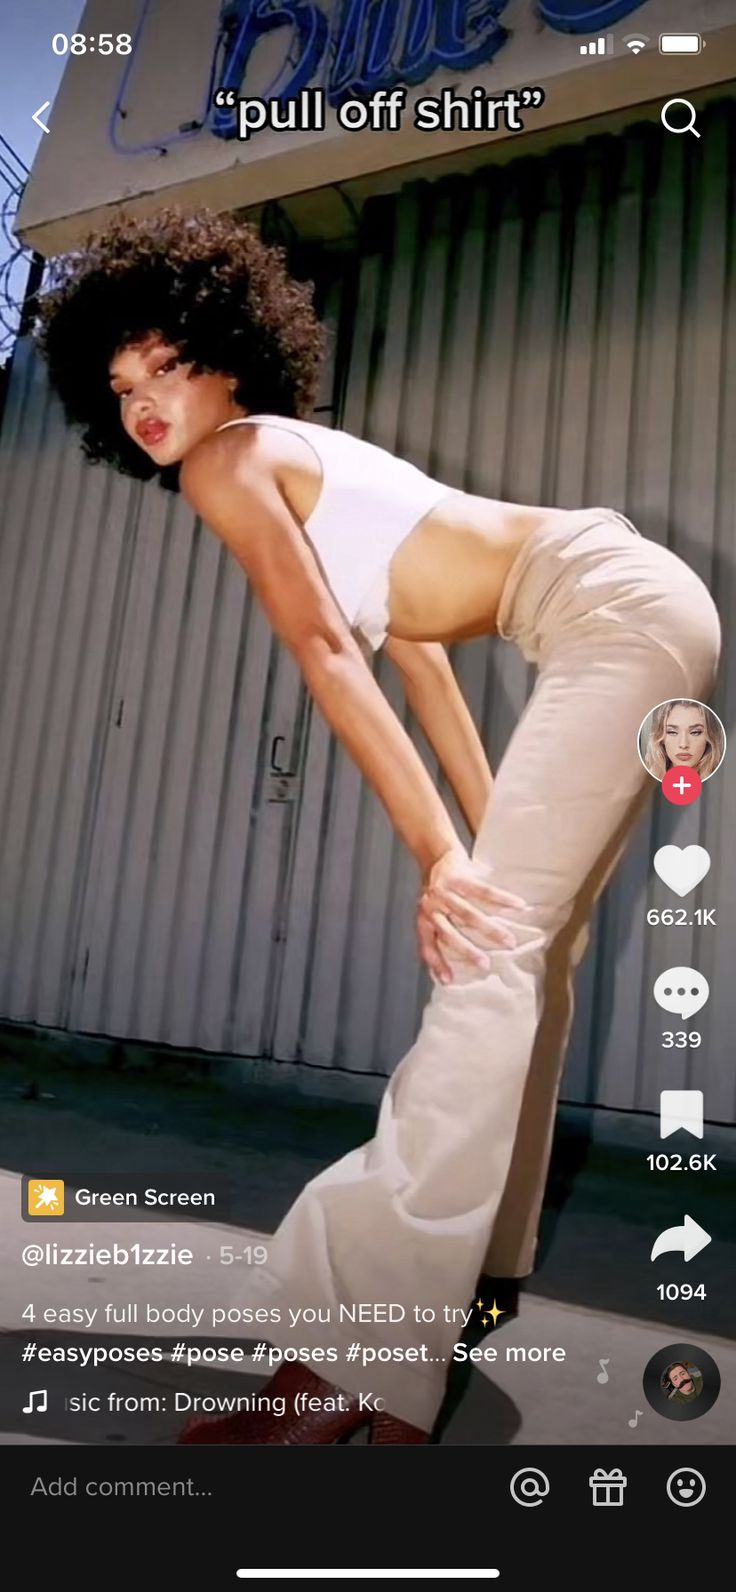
(151, 431)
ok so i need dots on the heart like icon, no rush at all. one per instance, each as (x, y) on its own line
(682, 867)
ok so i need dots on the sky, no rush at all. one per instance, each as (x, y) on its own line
(29, 70)
(29, 74)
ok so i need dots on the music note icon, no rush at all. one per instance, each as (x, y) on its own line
(603, 1374)
(635, 1421)
(40, 1394)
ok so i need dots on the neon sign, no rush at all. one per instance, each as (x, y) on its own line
(358, 46)
(585, 16)
(372, 44)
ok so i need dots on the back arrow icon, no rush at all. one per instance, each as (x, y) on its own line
(40, 112)
(690, 1238)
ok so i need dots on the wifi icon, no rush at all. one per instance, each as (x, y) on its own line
(636, 43)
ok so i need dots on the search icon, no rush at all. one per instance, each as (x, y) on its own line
(689, 125)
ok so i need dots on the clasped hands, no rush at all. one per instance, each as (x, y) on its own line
(458, 896)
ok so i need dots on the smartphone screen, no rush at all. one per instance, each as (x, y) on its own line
(366, 896)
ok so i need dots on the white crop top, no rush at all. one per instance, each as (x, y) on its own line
(369, 502)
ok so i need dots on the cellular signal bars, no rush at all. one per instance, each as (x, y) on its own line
(602, 46)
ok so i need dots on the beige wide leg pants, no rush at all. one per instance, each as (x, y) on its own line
(616, 624)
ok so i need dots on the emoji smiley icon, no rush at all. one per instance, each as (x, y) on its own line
(686, 1487)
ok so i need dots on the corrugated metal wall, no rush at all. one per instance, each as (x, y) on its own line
(561, 330)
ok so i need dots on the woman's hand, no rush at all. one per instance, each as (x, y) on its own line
(457, 895)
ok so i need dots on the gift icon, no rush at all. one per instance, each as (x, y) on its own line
(608, 1488)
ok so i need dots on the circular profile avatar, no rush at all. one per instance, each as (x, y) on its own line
(682, 733)
(682, 1381)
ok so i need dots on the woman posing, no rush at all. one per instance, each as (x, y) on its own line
(185, 349)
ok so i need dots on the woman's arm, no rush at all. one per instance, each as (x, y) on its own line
(439, 707)
(233, 486)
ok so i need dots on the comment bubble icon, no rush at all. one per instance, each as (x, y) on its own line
(682, 990)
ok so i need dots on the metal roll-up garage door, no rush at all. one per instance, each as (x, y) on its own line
(202, 865)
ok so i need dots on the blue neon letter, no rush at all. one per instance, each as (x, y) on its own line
(467, 33)
(365, 42)
(585, 16)
(438, 33)
(256, 17)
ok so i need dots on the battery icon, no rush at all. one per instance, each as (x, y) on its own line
(680, 43)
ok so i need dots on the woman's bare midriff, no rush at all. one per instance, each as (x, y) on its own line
(447, 575)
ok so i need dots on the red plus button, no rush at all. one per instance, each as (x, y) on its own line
(682, 786)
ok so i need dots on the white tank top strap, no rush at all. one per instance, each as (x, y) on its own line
(369, 502)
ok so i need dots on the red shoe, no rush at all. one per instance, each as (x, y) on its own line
(338, 1416)
(387, 1428)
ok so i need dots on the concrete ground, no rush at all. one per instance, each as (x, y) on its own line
(593, 1294)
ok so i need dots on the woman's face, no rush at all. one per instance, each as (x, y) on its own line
(685, 735)
(164, 409)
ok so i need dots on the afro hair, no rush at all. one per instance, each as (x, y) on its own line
(209, 285)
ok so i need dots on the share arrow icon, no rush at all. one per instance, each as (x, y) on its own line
(690, 1238)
